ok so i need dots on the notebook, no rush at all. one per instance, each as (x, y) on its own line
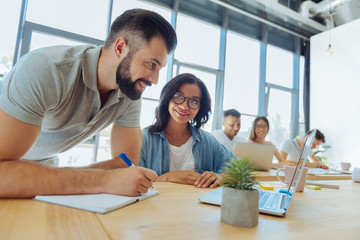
(323, 184)
(274, 202)
(99, 203)
(260, 154)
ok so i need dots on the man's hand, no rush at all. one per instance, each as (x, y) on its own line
(130, 181)
(208, 179)
(183, 177)
(316, 164)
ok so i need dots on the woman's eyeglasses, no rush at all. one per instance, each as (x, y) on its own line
(261, 126)
(192, 103)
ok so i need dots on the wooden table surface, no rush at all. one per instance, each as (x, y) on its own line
(176, 213)
(30, 219)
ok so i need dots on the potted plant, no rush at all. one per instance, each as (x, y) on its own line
(240, 200)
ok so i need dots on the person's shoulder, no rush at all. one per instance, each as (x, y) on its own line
(241, 139)
(202, 132)
(146, 133)
(54, 55)
(207, 138)
(268, 143)
(217, 131)
(147, 137)
(286, 142)
(61, 53)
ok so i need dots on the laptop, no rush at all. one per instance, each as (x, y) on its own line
(275, 202)
(259, 154)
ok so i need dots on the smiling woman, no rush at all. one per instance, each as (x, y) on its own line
(175, 146)
(260, 129)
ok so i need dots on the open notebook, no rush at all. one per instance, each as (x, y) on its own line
(100, 203)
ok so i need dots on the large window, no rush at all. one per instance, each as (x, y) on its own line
(40, 40)
(242, 78)
(279, 79)
(279, 115)
(80, 16)
(9, 19)
(198, 42)
(279, 66)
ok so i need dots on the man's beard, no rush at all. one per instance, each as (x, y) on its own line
(123, 79)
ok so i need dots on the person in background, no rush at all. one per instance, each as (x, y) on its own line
(260, 129)
(232, 124)
(57, 97)
(174, 146)
(291, 149)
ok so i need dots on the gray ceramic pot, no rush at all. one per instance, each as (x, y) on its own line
(240, 208)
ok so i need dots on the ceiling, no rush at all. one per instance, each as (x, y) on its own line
(281, 23)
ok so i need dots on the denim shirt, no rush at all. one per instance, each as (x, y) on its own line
(209, 154)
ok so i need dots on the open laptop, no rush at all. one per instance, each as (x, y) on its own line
(271, 202)
(261, 155)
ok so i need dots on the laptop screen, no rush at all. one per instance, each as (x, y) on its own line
(303, 156)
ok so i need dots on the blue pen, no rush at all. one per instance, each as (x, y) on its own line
(126, 159)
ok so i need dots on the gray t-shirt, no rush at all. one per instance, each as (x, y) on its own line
(292, 149)
(56, 88)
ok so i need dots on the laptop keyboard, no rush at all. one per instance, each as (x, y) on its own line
(268, 200)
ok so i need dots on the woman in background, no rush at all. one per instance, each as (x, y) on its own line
(174, 146)
(260, 129)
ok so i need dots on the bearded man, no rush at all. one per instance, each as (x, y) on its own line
(57, 97)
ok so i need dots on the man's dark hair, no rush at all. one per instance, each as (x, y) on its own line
(167, 93)
(319, 135)
(232, 112)
(139, 25)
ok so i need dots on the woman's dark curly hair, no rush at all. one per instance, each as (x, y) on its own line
(162, 111)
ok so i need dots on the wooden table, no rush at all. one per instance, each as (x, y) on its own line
(29, 219)
(176, 213)
(271, 176)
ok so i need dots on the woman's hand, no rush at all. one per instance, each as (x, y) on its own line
(183, 177)
(208, 179)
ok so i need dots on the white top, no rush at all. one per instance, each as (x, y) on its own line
(224, 140)
(182, 158)
(292, 149)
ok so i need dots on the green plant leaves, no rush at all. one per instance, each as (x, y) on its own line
(239, 173)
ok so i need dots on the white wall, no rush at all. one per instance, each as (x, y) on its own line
(335, 91)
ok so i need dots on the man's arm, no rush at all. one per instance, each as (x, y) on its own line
(126, 140)
(23, 179)
(284, 161)
(16, 137)
(315, 163)
(122, 140)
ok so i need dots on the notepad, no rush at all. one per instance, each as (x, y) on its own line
(321, 171)
(323, 184)
(99, 203)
